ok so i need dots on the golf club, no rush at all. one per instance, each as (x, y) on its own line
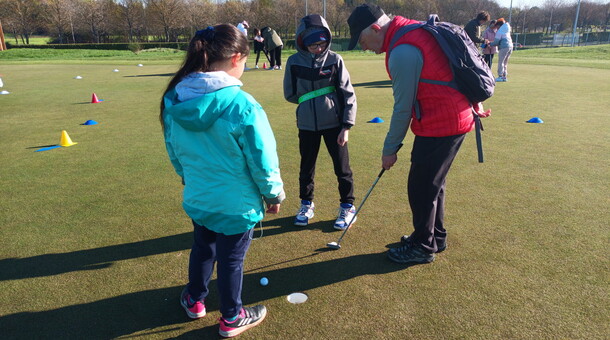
(337, 245)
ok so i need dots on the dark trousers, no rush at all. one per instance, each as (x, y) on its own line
(488, 59)
(258, 54)
(309, 146)
(431, 159)
(275, 56)
(229, 252)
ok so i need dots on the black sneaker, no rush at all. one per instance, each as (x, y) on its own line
(248, 317)
(410, 254)
(405, 239)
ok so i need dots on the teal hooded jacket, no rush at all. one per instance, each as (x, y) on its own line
(220, 142)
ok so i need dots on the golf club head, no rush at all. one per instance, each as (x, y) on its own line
(333, 245)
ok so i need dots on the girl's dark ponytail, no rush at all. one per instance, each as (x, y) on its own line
(209, 45)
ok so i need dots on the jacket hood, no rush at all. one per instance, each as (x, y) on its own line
(311, 22)
(200, 98)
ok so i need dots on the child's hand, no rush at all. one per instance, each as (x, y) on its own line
(273, 208)
(343, 137)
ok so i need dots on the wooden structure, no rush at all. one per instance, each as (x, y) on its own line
(2, 41)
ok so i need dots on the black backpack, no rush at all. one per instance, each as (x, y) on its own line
(471, 75)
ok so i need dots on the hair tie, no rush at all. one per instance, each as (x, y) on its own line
(207, 34)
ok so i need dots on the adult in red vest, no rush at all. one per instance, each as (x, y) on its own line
(439, 117)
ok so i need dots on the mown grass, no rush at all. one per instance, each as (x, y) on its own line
(584, 56)
(34, 39)
(94, 242)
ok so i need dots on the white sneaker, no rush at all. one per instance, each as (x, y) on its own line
(304, 214)
(345, 217)
(276, 67)
(256, 67)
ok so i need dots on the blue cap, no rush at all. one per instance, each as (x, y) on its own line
(90, 122)
(314, 36)
(376, 120)
(535, 120)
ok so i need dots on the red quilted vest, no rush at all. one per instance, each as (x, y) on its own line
(444, 110)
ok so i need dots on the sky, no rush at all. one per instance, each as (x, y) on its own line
(532, 3)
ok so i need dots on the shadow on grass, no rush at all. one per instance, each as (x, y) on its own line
(99, 258)
(375, 84)
(286, 225)
(89, 259)
(127, 314)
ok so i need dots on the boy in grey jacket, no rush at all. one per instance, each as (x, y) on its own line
(316, 79)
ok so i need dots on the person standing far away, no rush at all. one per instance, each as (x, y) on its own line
(243, 28)
(488, 50)
(317, 80)
(273, 44)
(439, 116)
(505, 48)
(259, 46)
(473, 28)
(220, 143)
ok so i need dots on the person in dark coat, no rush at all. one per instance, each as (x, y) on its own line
(473, 28)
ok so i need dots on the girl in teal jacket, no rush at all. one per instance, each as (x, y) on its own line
(220, 142)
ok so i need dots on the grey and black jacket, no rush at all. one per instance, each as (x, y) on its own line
(306, 72)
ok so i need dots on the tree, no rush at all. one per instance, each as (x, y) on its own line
(24, 17)
(169, 15)
(59, 13)
(132, 14)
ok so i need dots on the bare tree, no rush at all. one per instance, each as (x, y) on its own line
(24, 17)
(200, 14)
(132, 14)
(169, 15)
(58, 13)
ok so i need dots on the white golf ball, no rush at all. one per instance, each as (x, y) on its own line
(264, 281)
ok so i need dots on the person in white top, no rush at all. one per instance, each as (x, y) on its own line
(243, 28)
(505, 48)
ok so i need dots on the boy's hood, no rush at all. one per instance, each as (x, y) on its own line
(192, 112)
(312, 21)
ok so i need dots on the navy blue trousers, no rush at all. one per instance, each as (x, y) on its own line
(229, 251)
(431, 159)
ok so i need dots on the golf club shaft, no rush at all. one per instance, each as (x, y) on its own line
(361, 204)
(364, 200)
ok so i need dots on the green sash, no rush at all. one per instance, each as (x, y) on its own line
(316, 93)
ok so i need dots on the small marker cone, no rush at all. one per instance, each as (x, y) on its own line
(535, 120)
(264, 65)
(94, 99)
(376, 120)
(65, 139)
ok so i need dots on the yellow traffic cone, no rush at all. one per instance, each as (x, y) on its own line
(65, 139)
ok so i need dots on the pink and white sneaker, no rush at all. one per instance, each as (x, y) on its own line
(194, 310)
(248, 317)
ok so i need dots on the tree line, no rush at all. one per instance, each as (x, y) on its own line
(104, 21)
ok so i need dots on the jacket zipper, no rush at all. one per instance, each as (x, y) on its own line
(313, 100)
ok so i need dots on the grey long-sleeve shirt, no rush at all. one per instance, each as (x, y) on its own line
(405, 65)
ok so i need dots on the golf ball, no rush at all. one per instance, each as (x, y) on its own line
(264, 281)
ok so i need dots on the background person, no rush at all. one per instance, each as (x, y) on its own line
(473, 28)
(243, 28)
(259, 46)
(505, 48)
(488, 50)
(219, 141)
(446, 117)
(273, 44)
(316, 78)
